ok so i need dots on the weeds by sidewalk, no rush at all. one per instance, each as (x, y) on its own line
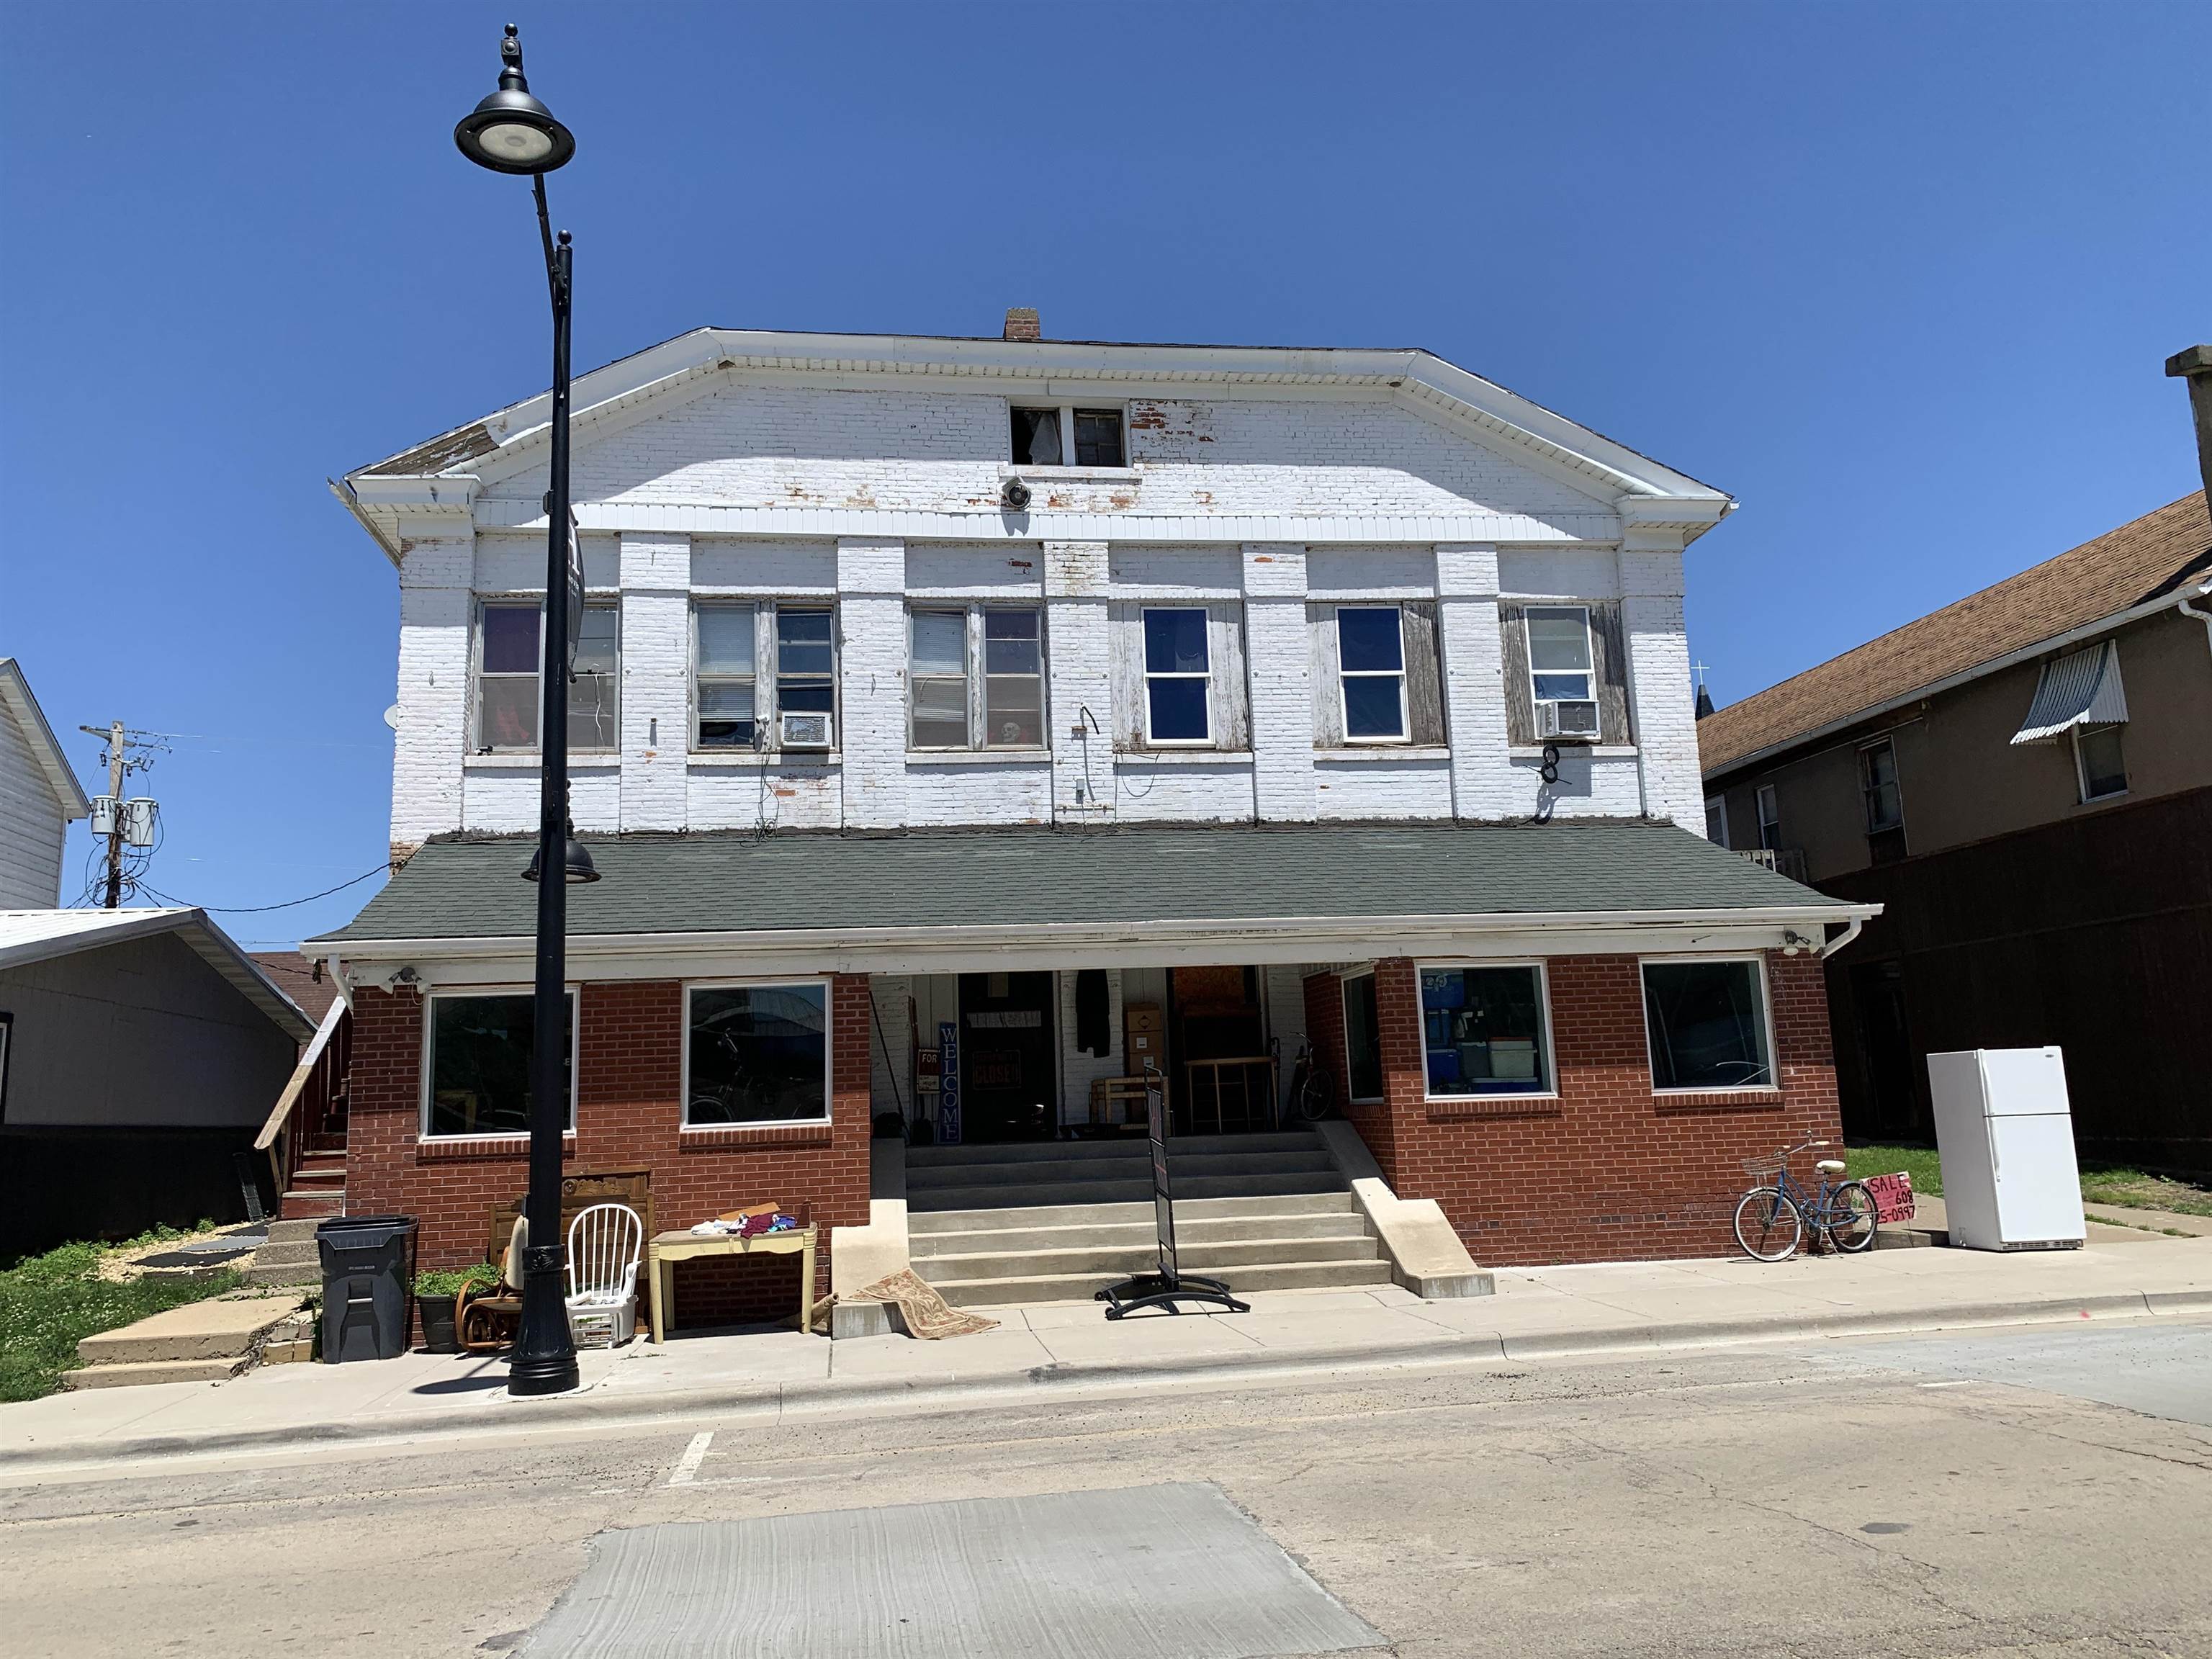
(2101, 1183)
(49, 1303)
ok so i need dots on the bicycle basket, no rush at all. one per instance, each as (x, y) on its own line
(1765, 1168)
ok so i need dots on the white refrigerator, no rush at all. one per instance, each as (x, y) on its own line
(2005, 1131)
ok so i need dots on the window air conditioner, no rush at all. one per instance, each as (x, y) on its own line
(803, 730)
(1563, 722)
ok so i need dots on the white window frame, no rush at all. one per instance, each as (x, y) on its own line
(1537, 700)
(1716, 809)
(1147, 675)
(1866, 790)
(485, 602)
(430, 1000)
(760, 725)
(1766, 806)
(976, 676)
(1766, 1026)
(1404, 732)
(773, 610)
(1066, 412)
(1344, 983)
(1544, 1008)
(829, 1052)
(2081, 769)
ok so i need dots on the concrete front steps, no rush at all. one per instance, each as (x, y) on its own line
(200, 1342)
(288, 1257)
(1048, 1173)
(1067, 1253)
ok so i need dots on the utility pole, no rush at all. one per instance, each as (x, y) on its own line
(120, 742)
(115, 744)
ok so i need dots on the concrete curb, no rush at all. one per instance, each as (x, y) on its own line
(830, 1395)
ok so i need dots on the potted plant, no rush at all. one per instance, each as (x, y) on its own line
(435, 1294)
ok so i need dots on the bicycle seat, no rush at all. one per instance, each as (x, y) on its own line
(1830, 1166)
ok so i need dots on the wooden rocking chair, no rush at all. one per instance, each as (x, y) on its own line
(488, 1322)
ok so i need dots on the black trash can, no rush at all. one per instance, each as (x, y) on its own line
(368, 1273)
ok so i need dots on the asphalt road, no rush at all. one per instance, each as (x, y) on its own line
(2032, 1493)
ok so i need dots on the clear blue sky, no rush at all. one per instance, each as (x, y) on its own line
(1902, 279)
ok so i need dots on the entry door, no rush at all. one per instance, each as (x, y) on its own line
(1008, 1082)
(1886, 1049)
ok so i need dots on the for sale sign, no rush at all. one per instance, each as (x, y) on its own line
(1891, 1195)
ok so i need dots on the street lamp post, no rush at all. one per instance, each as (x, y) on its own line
(510, 131)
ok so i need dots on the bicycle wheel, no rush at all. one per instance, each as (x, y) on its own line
(1315, 1096)
(1766, 1224)
(1851, 1218)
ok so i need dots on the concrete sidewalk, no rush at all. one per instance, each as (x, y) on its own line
(1537, 1311)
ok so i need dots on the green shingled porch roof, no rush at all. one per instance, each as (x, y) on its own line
(728, 882)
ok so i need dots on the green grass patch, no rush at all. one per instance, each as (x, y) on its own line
(49, 1303)
(2133, 1189)
(1921, 1163)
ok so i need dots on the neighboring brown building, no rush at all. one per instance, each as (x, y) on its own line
(2023, 780)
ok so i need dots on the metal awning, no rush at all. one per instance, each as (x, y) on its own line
(2080, 688)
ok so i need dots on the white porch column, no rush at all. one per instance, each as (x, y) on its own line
(871, 680)
(1662, 701)
(656, 674)
(1482, 782)
(1076, 667)
(437, 583)
(1279, 653)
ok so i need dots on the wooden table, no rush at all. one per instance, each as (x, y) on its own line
(1239, 1066)
(669, 1249)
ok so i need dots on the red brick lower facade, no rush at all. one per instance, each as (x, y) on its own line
(1608, 1169)
(630, 1115)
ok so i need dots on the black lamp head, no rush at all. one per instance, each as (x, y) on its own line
(511, 131)
(576, 867)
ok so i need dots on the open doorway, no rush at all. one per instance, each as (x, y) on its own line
(1008, 1078)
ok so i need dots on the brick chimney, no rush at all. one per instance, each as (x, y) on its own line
(1022, 324)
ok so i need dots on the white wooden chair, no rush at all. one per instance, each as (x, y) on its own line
(604, 1243)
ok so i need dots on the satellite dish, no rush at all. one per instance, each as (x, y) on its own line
(391, 717)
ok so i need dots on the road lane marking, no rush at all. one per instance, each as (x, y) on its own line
(686, 1467)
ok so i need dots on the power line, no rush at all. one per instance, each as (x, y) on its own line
(259, 909)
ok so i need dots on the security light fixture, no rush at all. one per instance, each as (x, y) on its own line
(512, 131)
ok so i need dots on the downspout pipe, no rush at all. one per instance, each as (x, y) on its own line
(1850, 932)
(2195, 366)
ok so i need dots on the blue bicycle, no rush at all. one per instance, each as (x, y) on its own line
(1770, 1219)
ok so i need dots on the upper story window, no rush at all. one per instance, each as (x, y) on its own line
(510, 644)
(1064, 434)
(1769, 816)
(1178, 675)
(724, 679)
(1716, 829)
(1562, 670)
(2099, 760)
(1885, 806)
(1371, 672)
(953, 708)
(734, 704)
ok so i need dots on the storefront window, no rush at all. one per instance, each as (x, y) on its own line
(757, 1053)
(1707, 1025)
(1484, 1030)
(480, 1064)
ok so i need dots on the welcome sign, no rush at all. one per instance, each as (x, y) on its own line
(948, 1083)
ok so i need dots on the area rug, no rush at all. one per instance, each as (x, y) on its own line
(928, 1315)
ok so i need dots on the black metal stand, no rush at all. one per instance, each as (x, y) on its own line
(1169, 1286)
(1162, 1290)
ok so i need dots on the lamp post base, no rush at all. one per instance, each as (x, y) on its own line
(545, 1357)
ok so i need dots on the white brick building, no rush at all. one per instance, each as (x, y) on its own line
(1012, 693)
(865, 476)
